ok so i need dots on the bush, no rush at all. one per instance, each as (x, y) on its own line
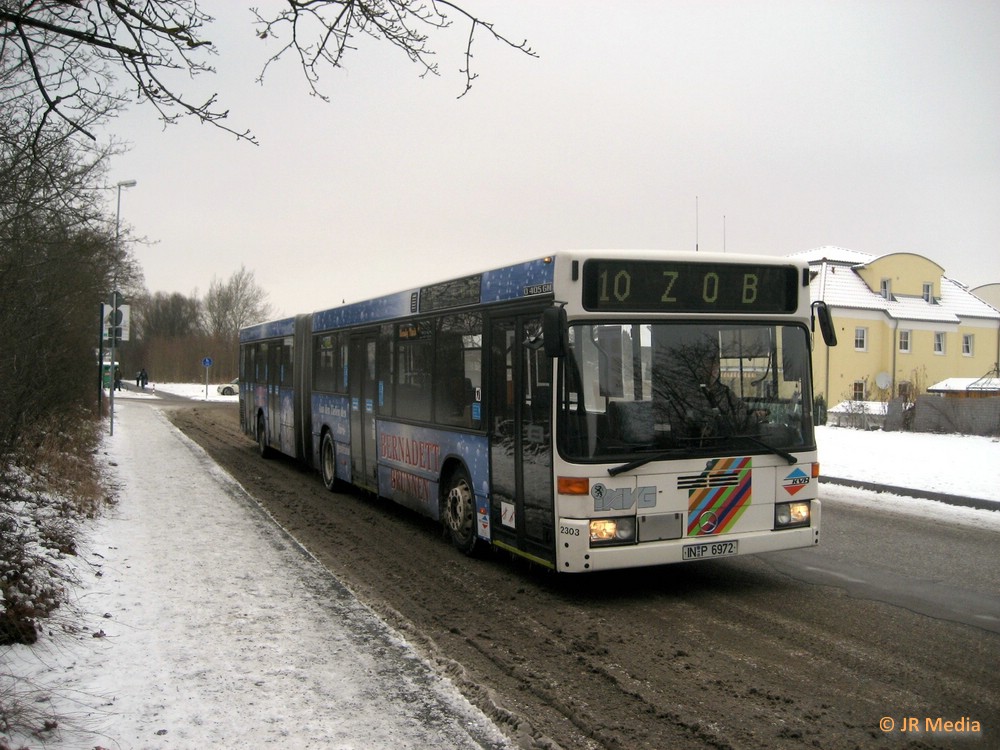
(39, 511)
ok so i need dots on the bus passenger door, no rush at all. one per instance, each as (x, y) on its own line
(363, 388)
(274, 394)
(521, 499)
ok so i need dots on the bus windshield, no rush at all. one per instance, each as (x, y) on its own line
(640, 388)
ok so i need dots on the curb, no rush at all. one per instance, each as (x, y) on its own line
(964, 502)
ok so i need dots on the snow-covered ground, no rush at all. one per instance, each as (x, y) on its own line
(966, 465)
(204, 625)
(183, 643)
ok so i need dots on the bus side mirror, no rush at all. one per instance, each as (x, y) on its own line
(821, 311)
(554, 331)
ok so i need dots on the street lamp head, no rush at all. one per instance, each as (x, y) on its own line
(127, 183)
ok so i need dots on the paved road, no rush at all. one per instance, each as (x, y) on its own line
(934, 568)
(778, 651)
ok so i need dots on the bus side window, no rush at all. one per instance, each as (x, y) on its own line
(458, 370)
(325, 370)
(287, 372)
(385, 370)
(414, 359)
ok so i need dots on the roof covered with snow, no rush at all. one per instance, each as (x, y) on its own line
(961, 385)
(837, 282)
(833, 254)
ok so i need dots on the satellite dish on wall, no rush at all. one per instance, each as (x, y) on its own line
(883, 380)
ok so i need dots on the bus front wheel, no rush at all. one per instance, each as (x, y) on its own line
(328, 461)
(460, 512)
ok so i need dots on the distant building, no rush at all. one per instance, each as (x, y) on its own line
(902, 326)
(988, 293)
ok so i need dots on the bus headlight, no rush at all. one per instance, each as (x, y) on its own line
(608, 531)
(790, 515)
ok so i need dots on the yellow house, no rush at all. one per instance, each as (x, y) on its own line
(902, 326)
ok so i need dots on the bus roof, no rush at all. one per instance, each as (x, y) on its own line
(531, 279)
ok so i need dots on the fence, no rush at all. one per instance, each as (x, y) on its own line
(968, 416)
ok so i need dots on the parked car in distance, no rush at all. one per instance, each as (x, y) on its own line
(229, 389)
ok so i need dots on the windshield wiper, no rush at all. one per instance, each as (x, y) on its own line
(663, 455)
(635, 464)
(773, 448)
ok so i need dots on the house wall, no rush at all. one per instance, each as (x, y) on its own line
(836, 369)
(907, 272)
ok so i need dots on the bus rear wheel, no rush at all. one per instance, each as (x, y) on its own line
(328, 461)
(262, 447)
(460, 512)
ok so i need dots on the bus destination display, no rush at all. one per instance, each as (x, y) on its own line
(688, 287)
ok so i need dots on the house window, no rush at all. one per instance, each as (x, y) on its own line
(968, 344)
(861, 339)
(885, 288)
(904, 341)
(906, 390)
(858, 391)
(938, 342)
(928, 292)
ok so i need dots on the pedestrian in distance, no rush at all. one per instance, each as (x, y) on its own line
(118, 378)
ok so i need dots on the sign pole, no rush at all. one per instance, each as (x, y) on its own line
(100, 360)
(112, 331)
(207, 362)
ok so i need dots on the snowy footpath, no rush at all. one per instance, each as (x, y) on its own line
(205, 626)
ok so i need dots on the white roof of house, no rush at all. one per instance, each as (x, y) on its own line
(965, 303)
(834, 254)
(839, 285)
(875, 408)
(953, 385)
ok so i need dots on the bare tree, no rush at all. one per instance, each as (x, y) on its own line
(231, 305)
(58, 259)
(171, 316)
(65, 58)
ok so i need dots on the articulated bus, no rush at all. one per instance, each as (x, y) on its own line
(587, 411)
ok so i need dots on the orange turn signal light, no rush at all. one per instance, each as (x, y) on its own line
(574, 486)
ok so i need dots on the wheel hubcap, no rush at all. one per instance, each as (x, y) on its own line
(460, 508)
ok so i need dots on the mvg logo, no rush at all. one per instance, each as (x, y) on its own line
(622, 498)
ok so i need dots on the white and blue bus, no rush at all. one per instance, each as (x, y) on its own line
(587, 411)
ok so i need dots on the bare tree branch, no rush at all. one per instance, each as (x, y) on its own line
(71, 57)
(334, 23)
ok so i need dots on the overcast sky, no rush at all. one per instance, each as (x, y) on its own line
(749, 127)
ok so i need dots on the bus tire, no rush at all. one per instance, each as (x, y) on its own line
(328, 461)
(459, 512)
(262, 447)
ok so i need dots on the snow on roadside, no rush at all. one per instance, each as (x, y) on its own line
(964, 465)
(209, 627)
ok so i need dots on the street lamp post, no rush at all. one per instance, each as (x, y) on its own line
(114, 297)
